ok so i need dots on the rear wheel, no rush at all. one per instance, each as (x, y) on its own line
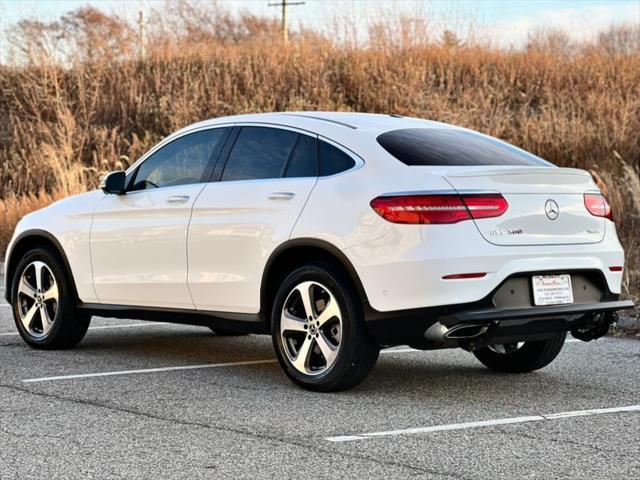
(318, 330)
(521, 357)
(44, 304)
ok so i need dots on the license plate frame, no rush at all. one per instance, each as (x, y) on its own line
(552, 290)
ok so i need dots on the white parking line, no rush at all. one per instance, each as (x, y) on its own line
(484, 423)
(170, 369)
(148, 370)
(108, 327)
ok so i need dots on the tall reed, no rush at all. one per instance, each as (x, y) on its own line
(61, 128)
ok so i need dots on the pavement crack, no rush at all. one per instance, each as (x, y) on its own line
(79, 401)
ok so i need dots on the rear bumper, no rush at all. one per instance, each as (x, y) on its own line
(406, 268)
(428, 328)
(534, 313)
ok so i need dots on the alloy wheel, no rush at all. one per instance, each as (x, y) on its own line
(37, 300)
(311, 328)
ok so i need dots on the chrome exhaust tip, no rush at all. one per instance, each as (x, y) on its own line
(440, 333)
(461, 332)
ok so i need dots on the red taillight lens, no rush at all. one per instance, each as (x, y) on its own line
(436, 209)
(485, 206)
(597, 205)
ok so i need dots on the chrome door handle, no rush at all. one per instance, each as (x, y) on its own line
(281, 195)
(177, 199)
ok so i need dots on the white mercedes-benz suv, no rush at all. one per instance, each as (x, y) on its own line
(336, 233)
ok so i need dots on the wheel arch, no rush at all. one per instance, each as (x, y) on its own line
(295, 252)
(26, 241)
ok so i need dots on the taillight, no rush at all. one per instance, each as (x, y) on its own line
(430, 209)
(597, 205)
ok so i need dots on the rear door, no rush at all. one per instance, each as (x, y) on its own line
(242, 217)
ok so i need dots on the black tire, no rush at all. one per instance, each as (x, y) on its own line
(223, 332)
(357, 353)
(68, 326)
(531, 356)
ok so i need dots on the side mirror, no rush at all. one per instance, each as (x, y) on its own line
(113, 183)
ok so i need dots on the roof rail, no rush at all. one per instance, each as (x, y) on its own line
(323, 119)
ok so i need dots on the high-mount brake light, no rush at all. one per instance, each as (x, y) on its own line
(439, 209)
(597, 205)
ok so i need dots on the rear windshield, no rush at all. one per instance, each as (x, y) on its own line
(439, 146)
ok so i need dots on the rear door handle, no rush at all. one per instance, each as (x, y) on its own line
(281, 195)
(177, 199)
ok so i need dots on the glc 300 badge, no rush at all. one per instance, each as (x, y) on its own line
(506, 231)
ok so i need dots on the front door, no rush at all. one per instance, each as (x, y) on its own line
(139, 239)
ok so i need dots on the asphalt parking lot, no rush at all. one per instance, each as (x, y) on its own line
(142, 400)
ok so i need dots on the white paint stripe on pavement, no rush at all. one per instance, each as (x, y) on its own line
(148, 370)
(170, 369)
(484, 423)
(109, 327)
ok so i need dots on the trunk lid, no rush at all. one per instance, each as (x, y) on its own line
(546, 204)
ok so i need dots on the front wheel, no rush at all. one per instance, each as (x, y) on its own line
(318, 330)
(521, 357)
(44, 303)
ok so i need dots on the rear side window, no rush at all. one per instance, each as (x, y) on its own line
(439, 146)
(259, 152)
(304, 159)
(333, 160)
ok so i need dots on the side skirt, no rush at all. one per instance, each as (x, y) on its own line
(240, 322)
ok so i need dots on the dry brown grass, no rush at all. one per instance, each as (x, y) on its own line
(13, 208)
(62, 128)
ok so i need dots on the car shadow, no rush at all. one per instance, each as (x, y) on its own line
(409, 376)
(164, 345)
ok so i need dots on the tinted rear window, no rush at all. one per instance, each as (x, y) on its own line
(304, 159)
(259, 153)
(436, 146)
(333, 160)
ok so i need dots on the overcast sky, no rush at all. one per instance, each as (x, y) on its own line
(505, 22)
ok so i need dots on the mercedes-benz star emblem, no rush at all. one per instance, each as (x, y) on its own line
(551, 209)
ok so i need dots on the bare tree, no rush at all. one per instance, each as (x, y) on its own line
(94, 35)
(86, 34)
(553, 40)
(620, 40)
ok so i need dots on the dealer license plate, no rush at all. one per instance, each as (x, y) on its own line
(552, 289)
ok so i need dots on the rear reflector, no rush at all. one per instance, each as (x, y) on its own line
(461, 276)
(597, 205)
(615, 269)
(438, 209)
